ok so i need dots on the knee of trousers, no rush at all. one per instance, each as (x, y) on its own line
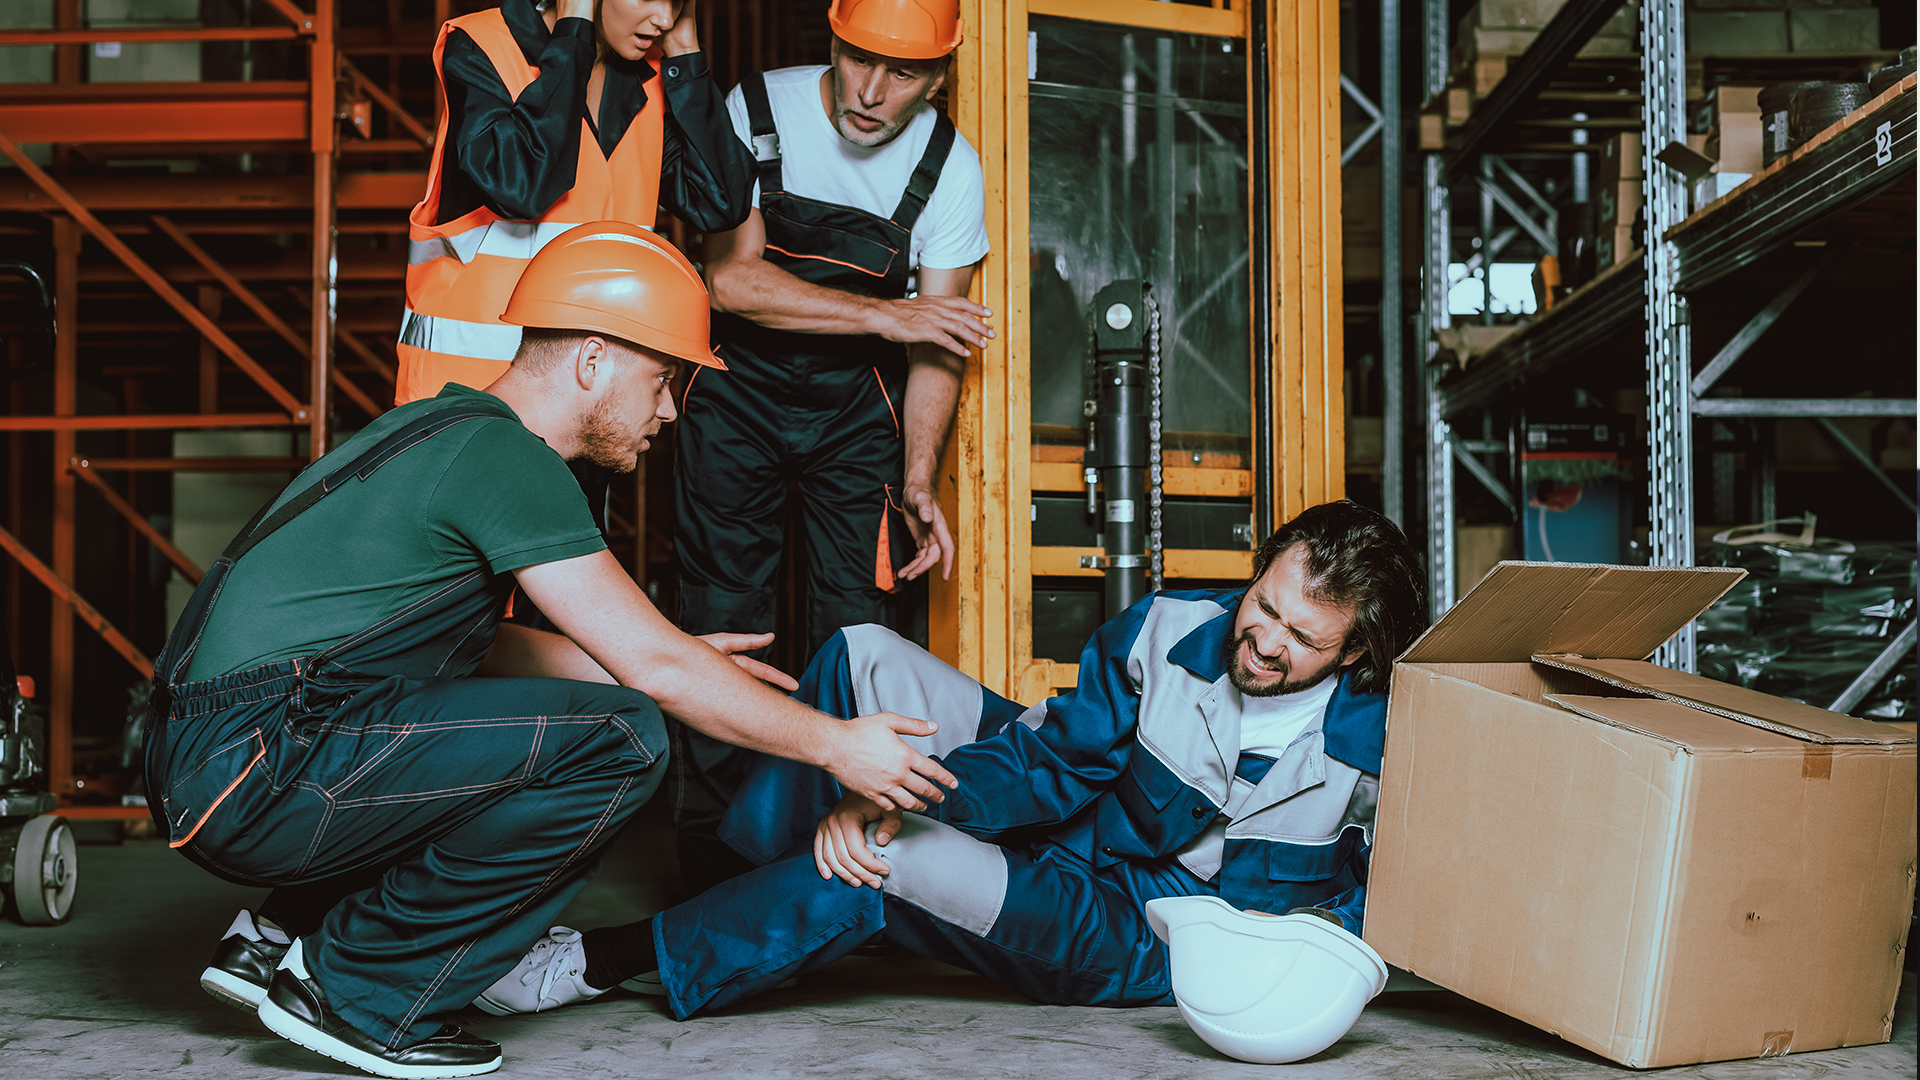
(776, 808)
(944, 872)
(888, 673)
(634, 736)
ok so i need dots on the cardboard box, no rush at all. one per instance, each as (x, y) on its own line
(1736, 33)
(1614, 245)
(1477, 41)
(1654, 866)
(1533, 14)
(1483, 43)
(1715, 186)
(1536, 14)
(1619, 160)
(1616, 204)
(1477, 549)
(1841, 30)
(1734, 139)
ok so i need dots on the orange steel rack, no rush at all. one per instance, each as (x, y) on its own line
(92, 123)
(310, 334)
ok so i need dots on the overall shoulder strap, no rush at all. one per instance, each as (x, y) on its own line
(409, 435)
(926, 175)
(766, 137)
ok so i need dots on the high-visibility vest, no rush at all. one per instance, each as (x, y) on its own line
(461, 274)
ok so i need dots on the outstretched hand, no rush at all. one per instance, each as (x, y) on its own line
(840, 841)
(870, 759)
(735, 644)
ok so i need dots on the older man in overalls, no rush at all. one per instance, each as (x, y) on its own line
(844, 366)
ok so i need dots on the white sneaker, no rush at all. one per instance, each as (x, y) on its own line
(549, 976)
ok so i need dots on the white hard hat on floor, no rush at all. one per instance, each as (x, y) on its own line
(1263, 989)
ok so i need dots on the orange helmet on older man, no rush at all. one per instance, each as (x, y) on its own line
(612, 278)
(906, 29)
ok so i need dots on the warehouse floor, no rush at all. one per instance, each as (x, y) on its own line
(113, 994)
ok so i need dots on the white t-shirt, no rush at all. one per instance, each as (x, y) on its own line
(816, 163)
(1268, 725)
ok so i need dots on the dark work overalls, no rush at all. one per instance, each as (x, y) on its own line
(421, 828)
(822, 410)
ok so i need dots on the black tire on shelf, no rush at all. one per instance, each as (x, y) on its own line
(45, 872)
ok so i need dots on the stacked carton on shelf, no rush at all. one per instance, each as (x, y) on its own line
(1736, 28)
(1617, 196)
(1733, 141)
(1494, 32)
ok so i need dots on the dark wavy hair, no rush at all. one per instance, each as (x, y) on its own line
(1356, 557)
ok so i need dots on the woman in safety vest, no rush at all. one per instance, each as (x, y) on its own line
(558, 112)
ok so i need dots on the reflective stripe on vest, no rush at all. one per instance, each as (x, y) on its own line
(461, 273)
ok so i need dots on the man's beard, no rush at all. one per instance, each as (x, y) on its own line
(603, 442)
(868, 139)
(1245, 681)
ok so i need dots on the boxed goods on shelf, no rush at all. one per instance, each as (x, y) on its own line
(1734, 129)
(1833, 29)
(1810, 618)
(1617, 197)
(1495, 31)
(1737, 33)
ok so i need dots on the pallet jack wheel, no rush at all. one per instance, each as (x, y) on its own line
(46, 872)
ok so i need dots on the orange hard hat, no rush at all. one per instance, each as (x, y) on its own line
(609, 277)
(907, 29)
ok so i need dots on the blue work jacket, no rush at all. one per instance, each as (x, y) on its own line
(1136, 764)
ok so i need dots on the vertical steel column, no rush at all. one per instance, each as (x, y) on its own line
(1663, 69)
(1120, 326)
(1260, 266)
(1436, 250)
(66, 391)
(1485, 188)
(1164, 279)
(322, 71)
(1393, 353)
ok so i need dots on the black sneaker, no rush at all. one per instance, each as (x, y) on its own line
(242, 965)
(296, 1009)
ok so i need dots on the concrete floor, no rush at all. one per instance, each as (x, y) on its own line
(113, 994)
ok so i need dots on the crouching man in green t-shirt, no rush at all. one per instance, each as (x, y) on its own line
(340, 714)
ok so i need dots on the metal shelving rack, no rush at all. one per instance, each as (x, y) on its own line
(1836, 171)
(357, 156)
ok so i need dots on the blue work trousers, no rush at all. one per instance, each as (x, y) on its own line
(1033, 916)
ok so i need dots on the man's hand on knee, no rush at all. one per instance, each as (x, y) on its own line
(869, 758)
(840, 842)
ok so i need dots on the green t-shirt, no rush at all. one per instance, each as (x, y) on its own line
(484, 493)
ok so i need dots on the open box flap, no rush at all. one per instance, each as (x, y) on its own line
(1670, 721)
(1791, 718)
(1520, 609)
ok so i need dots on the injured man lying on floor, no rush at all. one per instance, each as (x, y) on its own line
(1219, 743)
